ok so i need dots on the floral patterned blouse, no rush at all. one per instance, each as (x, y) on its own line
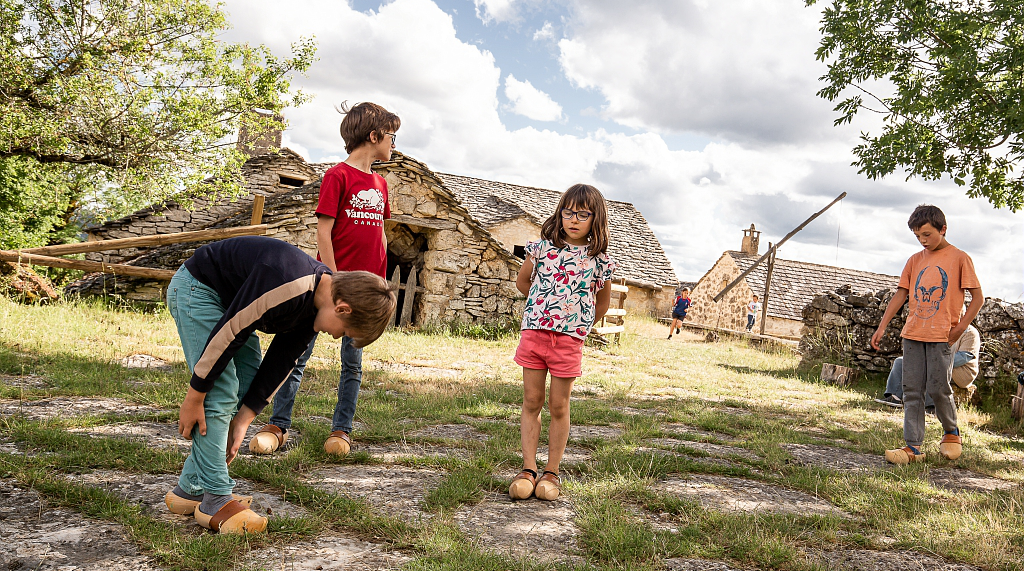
(563, 296)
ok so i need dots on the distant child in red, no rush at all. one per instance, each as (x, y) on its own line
(349, 236)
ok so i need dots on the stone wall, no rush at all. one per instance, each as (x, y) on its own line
(730, 312)
(263, 175)
(515, 232)
(838, 326)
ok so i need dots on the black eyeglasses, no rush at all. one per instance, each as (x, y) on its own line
(394, 137)
(581, 215)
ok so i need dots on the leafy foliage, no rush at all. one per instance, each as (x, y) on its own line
(137, 97)
(947, 77)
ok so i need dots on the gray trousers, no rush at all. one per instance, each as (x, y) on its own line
(926, 370)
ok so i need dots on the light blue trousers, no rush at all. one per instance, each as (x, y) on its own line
(196, 309)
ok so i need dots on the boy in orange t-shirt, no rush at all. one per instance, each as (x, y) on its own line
(938, 276)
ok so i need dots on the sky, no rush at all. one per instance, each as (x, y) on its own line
(702, 113)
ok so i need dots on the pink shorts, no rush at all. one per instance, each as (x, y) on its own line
(560, 354)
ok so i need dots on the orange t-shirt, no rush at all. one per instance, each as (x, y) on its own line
(935, 282)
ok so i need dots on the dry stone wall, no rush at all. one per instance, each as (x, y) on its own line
(267, 175)
(838, 326)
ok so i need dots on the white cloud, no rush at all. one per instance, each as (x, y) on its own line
(407, 57)
(495, 10)
(742, 71)
(531, 102)
(546, 32)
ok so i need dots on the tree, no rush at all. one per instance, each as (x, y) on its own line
(138, 96)
(947, 78)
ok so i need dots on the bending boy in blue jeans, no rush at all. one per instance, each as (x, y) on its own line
(219, 298)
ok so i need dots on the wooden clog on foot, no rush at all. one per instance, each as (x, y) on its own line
(234, 518)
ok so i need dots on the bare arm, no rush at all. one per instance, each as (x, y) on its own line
(977, 300)
(324, 225)
(236, 430)
(524, 279)
(384, 239)
(604, 297)
(897, 301)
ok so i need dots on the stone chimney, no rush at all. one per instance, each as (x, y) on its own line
(750, 241)
(254, 145)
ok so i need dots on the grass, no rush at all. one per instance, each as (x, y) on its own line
(648, 388)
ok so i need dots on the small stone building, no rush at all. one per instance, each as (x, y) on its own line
(464, 272)
(794, 285)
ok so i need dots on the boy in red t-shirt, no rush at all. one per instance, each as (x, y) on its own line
(939, 274)
(349, 236)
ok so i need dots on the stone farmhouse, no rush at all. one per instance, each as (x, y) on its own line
(794, 285)
(457, 237)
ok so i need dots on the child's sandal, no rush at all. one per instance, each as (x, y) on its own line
(184, 506)
(523, 484)
(548, 487)
(234, 518)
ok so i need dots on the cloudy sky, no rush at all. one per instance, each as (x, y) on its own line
(702, 113)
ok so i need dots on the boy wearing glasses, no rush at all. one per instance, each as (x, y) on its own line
(349, 236)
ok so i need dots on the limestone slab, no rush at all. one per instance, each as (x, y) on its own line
(328, 553)
(24, 381)
(389, 452)
(719, 450)
(37, 536)
(835, 458)
(450, 432)
(395, 490)
(148, 490)
(532, 529)
(582, 431)
(686, 564)
(867, 560)
(744, 496)
(58, 407)
(960, 479)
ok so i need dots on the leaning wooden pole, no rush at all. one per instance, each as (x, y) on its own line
(121, 269)
(743, 275)
(767, 288)
(155, 240)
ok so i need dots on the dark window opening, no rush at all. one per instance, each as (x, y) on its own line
(294, 182)
(519, 252)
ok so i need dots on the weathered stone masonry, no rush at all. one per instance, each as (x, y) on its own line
(840, 324)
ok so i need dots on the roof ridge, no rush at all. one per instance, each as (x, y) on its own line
(746, 255)
(523, 186)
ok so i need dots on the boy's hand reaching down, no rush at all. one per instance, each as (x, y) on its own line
(236, 431)
(191, 414)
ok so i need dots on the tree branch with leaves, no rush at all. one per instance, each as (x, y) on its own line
(947, 77)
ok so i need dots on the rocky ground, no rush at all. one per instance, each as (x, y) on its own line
(41, 537)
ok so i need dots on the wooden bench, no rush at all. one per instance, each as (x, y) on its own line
(614, 321)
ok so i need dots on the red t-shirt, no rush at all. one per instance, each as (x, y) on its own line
(358, 202)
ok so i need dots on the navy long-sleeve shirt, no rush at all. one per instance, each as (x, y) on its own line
(266, 285)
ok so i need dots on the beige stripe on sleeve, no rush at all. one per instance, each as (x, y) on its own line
(246, 317)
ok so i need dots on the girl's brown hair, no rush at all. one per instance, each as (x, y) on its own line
(586, 197)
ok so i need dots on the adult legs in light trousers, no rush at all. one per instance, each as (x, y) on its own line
(926, 370)
(894, 384)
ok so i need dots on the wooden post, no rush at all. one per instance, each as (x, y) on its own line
(121, 269)
(1017, 403)
(410, 296)
(156, 240)
(767, 287)
(257, 209)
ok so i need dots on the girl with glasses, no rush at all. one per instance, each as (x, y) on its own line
(566, 278)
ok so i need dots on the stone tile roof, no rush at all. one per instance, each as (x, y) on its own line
(794, 283)
(633, 244)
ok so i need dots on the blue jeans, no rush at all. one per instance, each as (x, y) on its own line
(348, 388)
(196, 309)
(750, 321)
(894, 385)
